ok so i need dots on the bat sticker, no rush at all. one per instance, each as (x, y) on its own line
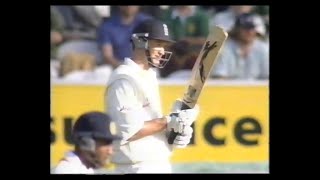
(207, 48)
(191, 92)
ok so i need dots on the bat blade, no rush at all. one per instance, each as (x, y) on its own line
(201, 70)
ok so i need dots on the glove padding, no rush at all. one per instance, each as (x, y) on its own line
(183, 139)
(175, 123)
(191, 114)
(188, 116)
(179, 119)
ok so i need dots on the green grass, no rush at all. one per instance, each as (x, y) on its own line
(221, 168)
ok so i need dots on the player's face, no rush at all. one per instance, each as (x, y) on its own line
(104, 150)
(247, 35)
(157, 50)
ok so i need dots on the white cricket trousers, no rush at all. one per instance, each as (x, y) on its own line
(144, 167)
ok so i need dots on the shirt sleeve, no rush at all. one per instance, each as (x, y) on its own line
(221, 69)
(265, 63)
(64, 168)
(125, 109)
(104, 36)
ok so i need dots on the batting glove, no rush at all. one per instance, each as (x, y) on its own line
(183, 139)
(175, 123)
(182, 118)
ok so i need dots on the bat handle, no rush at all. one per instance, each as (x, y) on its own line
(173, 135)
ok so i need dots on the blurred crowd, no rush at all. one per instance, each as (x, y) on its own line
(88, 42)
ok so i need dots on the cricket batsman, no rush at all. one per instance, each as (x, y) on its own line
(133, 102)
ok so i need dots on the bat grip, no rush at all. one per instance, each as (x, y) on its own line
(173, 135)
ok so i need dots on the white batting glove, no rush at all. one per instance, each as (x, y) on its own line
(183, 139)
(182, 118)
(175, 123)
(191, 113)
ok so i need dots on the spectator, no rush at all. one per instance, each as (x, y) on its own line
(114, 34)
(55, 31)
(263, 11)
(244, 55)
(187, 23)
(212, 10)
(79, 22)
(73, 30)
(190, 28)
(180, 59)
(155, 11)
(226, 19)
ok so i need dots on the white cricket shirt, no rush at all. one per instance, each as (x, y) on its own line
(71, 164)
(133, 98)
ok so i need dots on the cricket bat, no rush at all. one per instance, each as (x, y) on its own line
(201, 70)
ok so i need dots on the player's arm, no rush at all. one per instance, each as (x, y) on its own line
(150, 127)
(176, 121)
(134, 121)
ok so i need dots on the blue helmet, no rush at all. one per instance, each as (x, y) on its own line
(91, 126)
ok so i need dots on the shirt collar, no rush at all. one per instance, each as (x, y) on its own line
(131, 63)
(136, 67)
(71, 156)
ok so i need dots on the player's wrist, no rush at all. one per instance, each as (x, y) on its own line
(167, 119)
(170, 121)
(174, 122)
